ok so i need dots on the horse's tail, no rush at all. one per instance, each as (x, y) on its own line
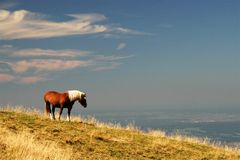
(47, 108)
(47, 104)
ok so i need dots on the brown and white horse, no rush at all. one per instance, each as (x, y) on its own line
(63, 100)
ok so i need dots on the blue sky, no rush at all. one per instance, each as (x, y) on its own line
(123, 54)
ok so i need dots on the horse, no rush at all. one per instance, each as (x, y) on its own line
(63, 100)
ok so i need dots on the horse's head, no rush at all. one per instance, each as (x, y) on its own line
(83, 100)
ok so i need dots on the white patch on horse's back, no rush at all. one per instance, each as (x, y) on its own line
(74, 95)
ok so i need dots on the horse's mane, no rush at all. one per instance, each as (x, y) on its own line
(74, 95)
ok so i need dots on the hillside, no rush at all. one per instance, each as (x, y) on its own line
(31, 135)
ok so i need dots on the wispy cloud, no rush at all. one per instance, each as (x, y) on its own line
(38, 65)
(23, 24)
(128, 31)
(103, 63)
(35, 64)
(37, 52)
(7, 4)
(121, 46)
(111, 66)
(31, 79)
(4, 77)
(112, 58)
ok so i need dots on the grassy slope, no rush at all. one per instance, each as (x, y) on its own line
(33, 136)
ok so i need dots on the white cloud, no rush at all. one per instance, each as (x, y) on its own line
(4, 77)
(37, 52)
(35, 64)
(9, 50)
(39, 69)
(47, 65)
(121, 46)
(128, 31)
(112, 58)
(23, 24)
(31, 79)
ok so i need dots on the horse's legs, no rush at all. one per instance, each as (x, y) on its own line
(69, 112)
(60, 112)
(53, 112)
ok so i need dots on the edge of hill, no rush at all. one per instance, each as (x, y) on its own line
(28, 134)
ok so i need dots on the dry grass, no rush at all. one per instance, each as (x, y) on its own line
(27, 134)
(23, 146)
(156, 133)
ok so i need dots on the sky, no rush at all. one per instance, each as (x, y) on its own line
(123, 54)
